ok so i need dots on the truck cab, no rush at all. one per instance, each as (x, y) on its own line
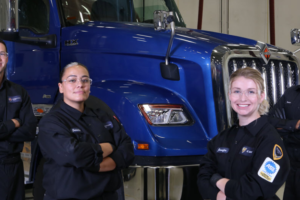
(170, 120)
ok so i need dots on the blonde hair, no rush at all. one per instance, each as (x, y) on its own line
(254, 75)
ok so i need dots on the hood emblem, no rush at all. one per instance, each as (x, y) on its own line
(265, 54)
(71, 42)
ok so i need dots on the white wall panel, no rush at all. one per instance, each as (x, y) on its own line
(189, 11)
(211, 15)
(249, 19)
(287, 17)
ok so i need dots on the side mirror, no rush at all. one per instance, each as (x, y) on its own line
(295, 37)
(161, 20)
(9, 20)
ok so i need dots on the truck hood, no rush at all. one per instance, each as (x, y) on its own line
(134, 36)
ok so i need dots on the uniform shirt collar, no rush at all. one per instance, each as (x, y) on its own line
(76, 113)
(255, 126)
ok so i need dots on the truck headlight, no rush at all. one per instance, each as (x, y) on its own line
(163, 114)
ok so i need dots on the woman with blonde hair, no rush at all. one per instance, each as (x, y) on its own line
(246, 161)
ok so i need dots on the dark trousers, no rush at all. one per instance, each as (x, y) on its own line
(105, 196)
(12, 180)
(292, 185)
(38, 189)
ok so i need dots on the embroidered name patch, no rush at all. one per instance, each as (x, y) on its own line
(14, 99)
(222, 150)
(75, 130)
(268, 170)
(247, 151)
(108, 124)
(277, 152)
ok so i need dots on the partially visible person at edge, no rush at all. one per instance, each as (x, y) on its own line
(285, 117)
(17, 124)
(248, 160)
(84, 148)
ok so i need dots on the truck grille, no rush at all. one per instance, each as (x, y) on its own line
(277, 74)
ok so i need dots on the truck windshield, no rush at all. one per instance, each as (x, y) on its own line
(81, 11)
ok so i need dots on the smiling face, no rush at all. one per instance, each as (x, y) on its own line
(245, 98)
(75, 91)
(3, 59)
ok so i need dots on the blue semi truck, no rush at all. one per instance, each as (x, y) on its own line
(171, 106)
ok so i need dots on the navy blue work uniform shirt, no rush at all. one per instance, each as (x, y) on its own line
(69, 141)
(284, 116)
(15, 104)
(252, 157)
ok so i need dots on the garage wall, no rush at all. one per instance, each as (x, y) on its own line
(189, 12)
(245, 18)
(287, 17)
(249, 19)
(212, 16)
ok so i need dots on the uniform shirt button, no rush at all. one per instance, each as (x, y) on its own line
(89, 124)
(99, 135)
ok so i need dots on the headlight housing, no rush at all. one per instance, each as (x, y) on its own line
(164, 114)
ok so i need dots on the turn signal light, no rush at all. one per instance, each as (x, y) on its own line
(41, 109)
(143, 146)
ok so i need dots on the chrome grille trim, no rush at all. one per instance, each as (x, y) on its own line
(273, 83)
(253, 64)
(244, 64)
(229, 58)
(289, 76)
(264, 75)
(234, 66)
(281, 74)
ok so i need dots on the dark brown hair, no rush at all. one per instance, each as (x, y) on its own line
(70, 65)
(2, 42)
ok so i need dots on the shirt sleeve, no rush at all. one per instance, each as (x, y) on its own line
(269, 171)
(59, 144)
(27, 129)
(278, 118)
(208, 166)
(6, 128)
(124, 153)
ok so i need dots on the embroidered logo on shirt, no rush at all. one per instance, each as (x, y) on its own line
(108, 125)
(277, 152)
(288, 102)
(76, 130)
(247, 151)
(268, 170)
(222, 150)
(14, 99)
